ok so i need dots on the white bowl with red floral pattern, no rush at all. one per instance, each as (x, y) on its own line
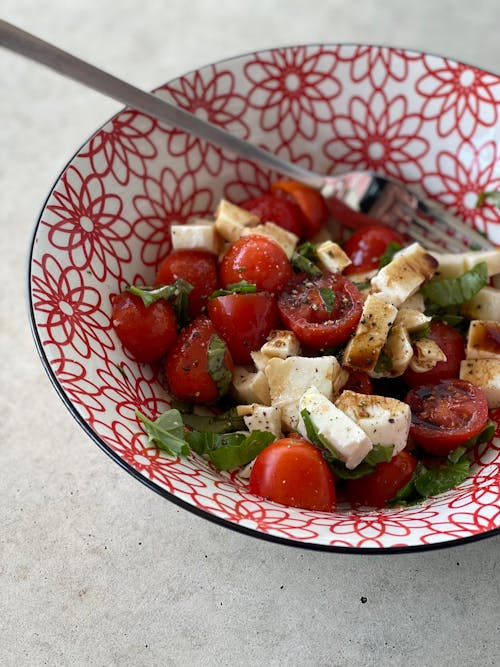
(428, 120)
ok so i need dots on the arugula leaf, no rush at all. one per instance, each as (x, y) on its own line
(455, 291)
(216, 363)
(388, 254)
(177, 293)
(166, 432)
(243, 287)
(328, 297)
(304, 259)
(224, 423)
(494, 195)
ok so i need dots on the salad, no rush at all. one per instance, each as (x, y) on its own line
(316, 370)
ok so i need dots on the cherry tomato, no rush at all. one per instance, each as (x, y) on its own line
(199, 268)
(359, 382)
(367, 245)
(322, 311)
(446, 414)
(146, 331)
(310, 202)
(384, 482)
(186, 365)
(282, 212)
(452, 343)
(259, 260)
(292, 472)
(244, 322)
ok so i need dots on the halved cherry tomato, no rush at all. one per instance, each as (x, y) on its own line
(446, 414)
(310, 202)
(452, 343)
(292, 472)
(322, 311)
(384, 482)
(147, 331)
(282, 212)
(186, 366)
(367, 245)
(359, 382)
(244, 322)
(259, 260)
(198, 267)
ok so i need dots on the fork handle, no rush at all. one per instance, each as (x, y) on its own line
(36, 49)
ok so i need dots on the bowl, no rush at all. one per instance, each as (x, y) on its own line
(430, 121)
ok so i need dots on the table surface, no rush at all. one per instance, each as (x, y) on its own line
(95, 569)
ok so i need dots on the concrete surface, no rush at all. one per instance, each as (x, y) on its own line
(95, 569)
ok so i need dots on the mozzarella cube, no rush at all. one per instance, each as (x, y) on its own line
(250, 387)
(483, 340)
(287, 240)
(452, 265)
(340, 434)
(485, 305)
(414, 302)
(231, 220)
(426, 354)
(409, 269)
(199, 235)
(398, 348)
(363, 350)
(412, 319)
(485, 374)
(261, 418)
(281, 343)
(331, 257)
(386, 421)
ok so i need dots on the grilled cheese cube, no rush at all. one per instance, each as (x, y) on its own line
(409, 269)
(331, 257)
(426, 354)
(281, 343)
(340, 434)
(399, 350)
(261, 418)
(485, 305)
(287, 240)
(231, 220)
(198, 235)
(363, 350)
(485, 374)
(386, 421)
(413, 320)
(452, 265)
(483, 340)
(290, 378)
(250, 387)
(414, 302)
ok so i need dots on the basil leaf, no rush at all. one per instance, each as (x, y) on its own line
(408, 495)
(363, 286)
(304, 259)
(224, 423)
(238, 452)
(342, 472)
(166, 432)
(328, 297)
(388, 254)
(494, 195)
(455, 291)
(384, 363)
(379, 454)
(243, 287)
(423, 332)
(484, 436)
(216, 364)
(312, 432)
(177, 293)
(442, 477)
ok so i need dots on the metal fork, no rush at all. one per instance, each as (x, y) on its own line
(354, 198)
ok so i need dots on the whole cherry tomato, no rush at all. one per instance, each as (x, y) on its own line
(198, 268)
(187, 366)
(384, 482)
(367, 245)
(258, 260)
(146, 331)
(292, 471)
(310, 202)
(284, 213)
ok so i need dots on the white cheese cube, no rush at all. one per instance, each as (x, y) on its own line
(200, 235)
(231, 220)
(385, 420)
(485, 374)
(363, 350)
(484, 306)
(287, 240)
(413, 320)
(281, 343)
(331, 257)
(414, 302)
(409, 269)
(452, 265)
(398, 348)
(259, 359)
(426, 354)
(483, 340)
(261, 418)
(338, 432)
(250, 387)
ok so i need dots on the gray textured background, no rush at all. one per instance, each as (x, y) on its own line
(95, 569)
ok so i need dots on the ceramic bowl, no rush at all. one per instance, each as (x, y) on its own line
(430, 121)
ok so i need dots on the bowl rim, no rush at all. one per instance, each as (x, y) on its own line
(204, 514)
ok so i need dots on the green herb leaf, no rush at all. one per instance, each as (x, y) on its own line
(455, 291)
(388, 254)
(328, 297)
(384, 363)
(408, 495)
(216, 364)
(339, 468)
(177, 293)
(494, 195)
(440, 478)
(243, 287)
(166, 432)
(422, 332)
(304, 259)
(379, 454)
(224, 423)
(312, 431)
(234, 454)
(363, 286)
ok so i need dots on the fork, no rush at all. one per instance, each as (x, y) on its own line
(354, 198)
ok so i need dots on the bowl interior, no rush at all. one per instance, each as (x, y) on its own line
(424, 119)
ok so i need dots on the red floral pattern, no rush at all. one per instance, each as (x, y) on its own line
(106, 224)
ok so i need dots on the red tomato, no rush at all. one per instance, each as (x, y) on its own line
(310, 202)
(314, 322)
(384, 482)
(186, 366)
(199, 268)
(259, 260)
(292, 472)
(147, 332)
(367, 245)
(452, 343)
(244, 322)
(282, 212)
(359, 382)
(446, 414)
